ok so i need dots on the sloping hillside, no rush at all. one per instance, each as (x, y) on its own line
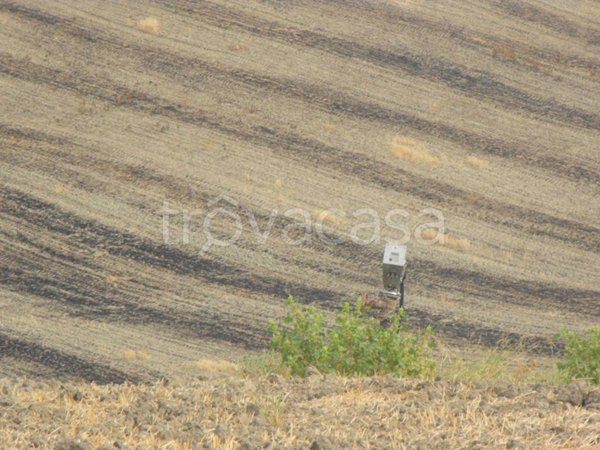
(115, 112)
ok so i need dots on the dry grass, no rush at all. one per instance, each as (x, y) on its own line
(326, 217)
(117, 278)
(472, 198)
(216, 365)
(481, 364)
(461, 244)
(477, 163)
(446, 239)
(58, 189)
(125, 97)
(413, 150)
(136, 355)
(149, 25)
(240, 47)
(505, 52)
(235, 411)
(430, 234)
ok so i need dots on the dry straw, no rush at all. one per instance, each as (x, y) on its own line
(413, 150)
(149, 25)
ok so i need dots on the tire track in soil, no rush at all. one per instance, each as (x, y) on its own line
(538, 15)
(193, 325)
(487, 287)
(319, 154)
(477, 84)
(521, 292)
(123, 244)
(486, 336)
(476, 283)
(528, 57)
(334, 102)
(62, 364)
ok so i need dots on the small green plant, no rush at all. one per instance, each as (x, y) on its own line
(356, 344)
(582, 355)
(487, 364)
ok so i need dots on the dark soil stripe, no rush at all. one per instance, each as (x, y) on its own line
(519, 53)
(486, 336)
(86, 296)
(472, 83)
(91, 302)
(430, 274)
(191, 69)
(433, 277)
(62, 364)
(94, 302)
(552, 21)
(162, 256)
(443, 194)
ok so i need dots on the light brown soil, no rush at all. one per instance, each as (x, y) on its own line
(487, 111)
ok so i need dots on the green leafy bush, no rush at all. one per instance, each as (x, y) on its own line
(357, 344)
(582, 355)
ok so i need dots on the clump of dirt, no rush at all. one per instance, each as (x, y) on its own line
(321, 411)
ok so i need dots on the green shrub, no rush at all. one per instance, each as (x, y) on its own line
(356, 344)
(582, 355)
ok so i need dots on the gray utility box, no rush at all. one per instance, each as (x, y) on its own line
(394, 271)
